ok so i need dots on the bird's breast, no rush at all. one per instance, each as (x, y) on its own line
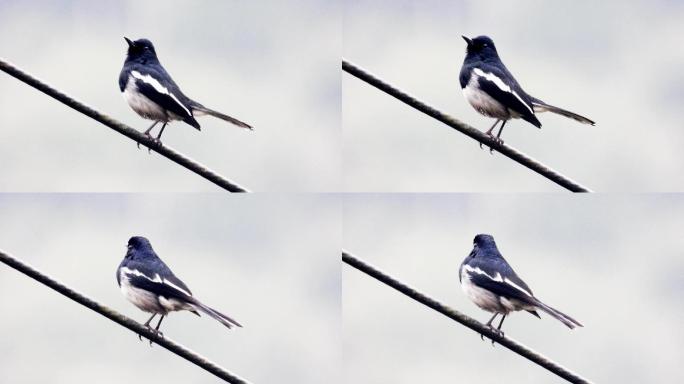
(483, 102)
(145, 300)
(141, 104)
(481, 297)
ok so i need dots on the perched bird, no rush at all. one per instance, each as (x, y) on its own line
(153, 94)
(491, 89)
(150, 285)
(490, 283)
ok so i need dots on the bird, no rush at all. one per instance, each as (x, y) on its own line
(151, 92)
(490, 282)
(150, 285)
(493, 91)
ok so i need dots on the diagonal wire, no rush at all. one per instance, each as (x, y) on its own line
(131, 324)
(469, 322)
(123, 129)
(473, 133)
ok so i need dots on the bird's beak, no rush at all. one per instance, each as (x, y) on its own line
(467, 40)
(130, 43)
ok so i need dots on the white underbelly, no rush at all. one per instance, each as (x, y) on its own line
(485, 104)
(141, 298)
(481, 297)
(143, 106)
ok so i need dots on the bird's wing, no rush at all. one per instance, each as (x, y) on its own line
(158, 87)
(168, 275)
(506, 285)
(143, 276)
(504, 89)
(465, 262)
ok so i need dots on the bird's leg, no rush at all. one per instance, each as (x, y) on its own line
(489, 131)
(147, 324)
(499, 331)
(156, 329)
(162, 318)
(489, 323)
(498, 328)
(147, 133)
(498, 136)
(158, 140)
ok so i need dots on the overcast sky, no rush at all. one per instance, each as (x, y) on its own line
(270, 262)
(617, 62)
(272, 64)
(613, 262)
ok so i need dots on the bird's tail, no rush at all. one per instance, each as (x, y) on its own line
(225, 320)
(540, 106)
(562, 317)
(202, 110)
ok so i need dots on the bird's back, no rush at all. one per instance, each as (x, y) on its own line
(493, 264)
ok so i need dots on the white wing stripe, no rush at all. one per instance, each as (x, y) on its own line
(156, 279)
(497, 278)
(502, 86)
(164, 281)
(158, 87)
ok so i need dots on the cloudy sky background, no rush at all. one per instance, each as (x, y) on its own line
(613, 262)
(619, 63)
(272, 64)
(271, 262)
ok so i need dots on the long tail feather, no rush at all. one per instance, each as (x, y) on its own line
(562, 317)
(540, 106)
(223, 319)
(204, 110)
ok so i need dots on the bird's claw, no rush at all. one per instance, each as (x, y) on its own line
(158, 333)
(499, 333)
(155, 331)
(496, 139)
(154, 139)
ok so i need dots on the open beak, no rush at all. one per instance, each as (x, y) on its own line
(130, 43)
(467, 40)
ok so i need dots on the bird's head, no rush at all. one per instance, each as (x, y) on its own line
(484, 241)
(138, 245)
(481, 47)
(140, 49)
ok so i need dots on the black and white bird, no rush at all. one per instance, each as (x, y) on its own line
(490, 283)
(493, 91)
(153, 94)
(150, 285)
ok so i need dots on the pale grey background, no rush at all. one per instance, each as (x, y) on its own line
(617, 62)
(613, 262)
(271, 262)
(272, 64)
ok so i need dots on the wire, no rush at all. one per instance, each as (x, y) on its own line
(121, 319)
(473, 133)
(123, 129)
(469, 322)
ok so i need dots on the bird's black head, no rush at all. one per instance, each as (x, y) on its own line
(481, 47)
(141, 49)
(484, 241)
(139, 246)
